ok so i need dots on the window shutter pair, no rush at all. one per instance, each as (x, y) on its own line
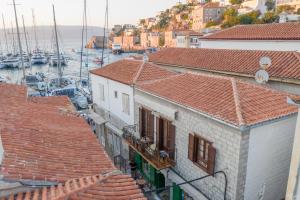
(193, 151)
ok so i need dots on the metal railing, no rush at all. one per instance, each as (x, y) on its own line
(160, 158)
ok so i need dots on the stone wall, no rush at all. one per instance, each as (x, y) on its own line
(231, 147)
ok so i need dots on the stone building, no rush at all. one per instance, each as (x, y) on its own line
(218, 129)
(126, 42)
(204, 13)
(188, 39)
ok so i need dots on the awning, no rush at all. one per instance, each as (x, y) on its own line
(114, 129)
(97, 118)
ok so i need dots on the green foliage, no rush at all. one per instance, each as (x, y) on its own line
(245, 19)
(270, 17)
(210, 24)
(285, 8)
(161, 41)
(142, 22)
(270, 4)
(184, 16)
(230, 18)
(235, 2)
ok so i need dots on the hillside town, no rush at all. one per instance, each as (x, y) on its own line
(185, 24)
(208, 111)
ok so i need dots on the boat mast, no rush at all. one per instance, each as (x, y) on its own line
(104, 32)
(57, 49)
(35, 32)
(5, 33)
(82, 36)
(26, 40)
(13, 39)
(19, 40)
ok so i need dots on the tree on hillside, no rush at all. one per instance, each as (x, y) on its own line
(270, 4)
(142, 22)
(235, 2)
(230, 17)
(270, 17)
(210, 24)
(285, 8)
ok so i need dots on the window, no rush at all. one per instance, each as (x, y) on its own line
(116, 94)
(125, 103)
(165, 136)
(202, 153)
(101, 92)
(146, 123)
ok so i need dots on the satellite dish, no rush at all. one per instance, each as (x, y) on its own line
(265, 62)
(261, 76)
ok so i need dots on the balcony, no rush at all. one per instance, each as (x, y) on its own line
(159, 159)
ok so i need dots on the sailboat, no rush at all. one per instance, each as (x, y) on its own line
(38, 56)
(64, 85)
(10, 60)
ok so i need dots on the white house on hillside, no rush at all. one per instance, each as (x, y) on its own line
(271, 37)
(113, 91)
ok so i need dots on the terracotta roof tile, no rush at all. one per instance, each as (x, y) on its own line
(276, 31)
(42, 142)
(113, 187)
(129, 71)
(233, 101)
(285, 64)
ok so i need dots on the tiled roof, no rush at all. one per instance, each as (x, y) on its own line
(285, 64)
(236, 102)
(113, 187)
(44, 142)
(276, 31)
(130, 71)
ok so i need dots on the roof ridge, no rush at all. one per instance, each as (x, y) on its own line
(139, 72)
(161, 79)
(84, 183)
(237, 102)
(297, 55)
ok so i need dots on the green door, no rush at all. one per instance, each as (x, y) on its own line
(177, 192)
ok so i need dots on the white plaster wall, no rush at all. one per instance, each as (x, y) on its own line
(252, 45)
(269, 154)
(112, 104)
(294, 177)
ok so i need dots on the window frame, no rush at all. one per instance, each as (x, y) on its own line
(207, 161)
(126, 108)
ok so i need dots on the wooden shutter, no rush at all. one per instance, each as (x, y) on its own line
(141, 122)
(151, 126)
(191, 147)
(171, 142)
(211, 159)
(157, 132)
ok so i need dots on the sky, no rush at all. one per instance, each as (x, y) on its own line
(69, 12)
